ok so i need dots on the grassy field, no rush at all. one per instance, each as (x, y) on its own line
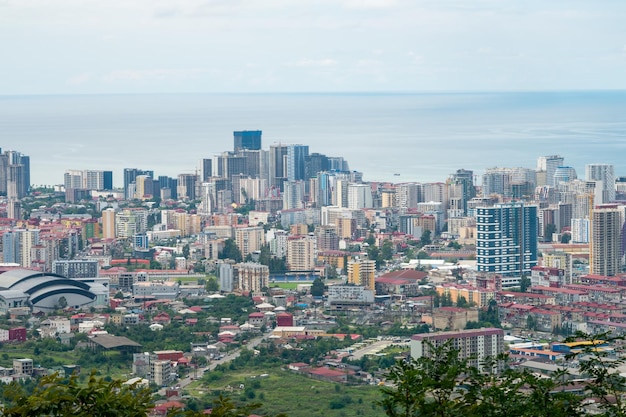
(283, 391)
(288, 285)
(114, 366)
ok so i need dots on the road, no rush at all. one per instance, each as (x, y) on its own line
(182, 383)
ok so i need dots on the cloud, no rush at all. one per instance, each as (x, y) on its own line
(79, 79)
(370, 4)
(312, 63)
(152, 74)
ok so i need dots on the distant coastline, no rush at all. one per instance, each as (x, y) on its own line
(420, 136)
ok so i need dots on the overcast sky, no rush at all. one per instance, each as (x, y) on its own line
(146, 46)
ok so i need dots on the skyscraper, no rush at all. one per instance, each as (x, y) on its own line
(606, 243)
(463, 179)
(549, 164)
(296, 162)
(278, 174)
(604, 177)
(247, 139)
(506, 240)
(130, 175)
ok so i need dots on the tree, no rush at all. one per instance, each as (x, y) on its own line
(461, 302)
(58, 397)
(212, 285)
(426, 238)
(186, 251)
(55, 396)
(231, 251)
(387, 250)
(524, 283)
(442, 384)
(317, 288)
(566, 237)
(62, 302)
(549, 231)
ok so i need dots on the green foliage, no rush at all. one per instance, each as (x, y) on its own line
(524, 283)
(212, 285)
(443, 385)
(55, 396)
(231, 251)
(317, 288)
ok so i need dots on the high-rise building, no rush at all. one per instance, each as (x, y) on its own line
(249, 239)
(186, 188)
(315, 163)
(76, 268)
(250, 276)
(277, 166)
(301, 253)
(509, 182)
(606, 242)
(296, 162)
(604, 177)
(206, 169)
(130, 175)
(16, 188)
(247, 139)
(359, 196)
(564, 174)
(362, 272)
(549, 165)
(506, 239)
(143, 187)
(463, 179)
(293, 195)
(474, 345)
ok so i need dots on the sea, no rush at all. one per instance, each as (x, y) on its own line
(390, 137)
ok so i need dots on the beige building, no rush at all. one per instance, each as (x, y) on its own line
(475, 345)
(453, 318)
(161, 372)
(301, 253)
(249, 239)
(250, 276)
(23, 366)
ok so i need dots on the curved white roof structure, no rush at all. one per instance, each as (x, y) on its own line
(42, 291)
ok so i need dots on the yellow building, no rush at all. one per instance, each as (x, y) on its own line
(480, 297)
(362, 272)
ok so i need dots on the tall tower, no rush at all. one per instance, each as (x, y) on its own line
(604, 177)
(247, 139)
(549, 164)
(15, 182)
(465, 178)
(606, 243)
(296, 162)
(506, 240)
(108, 223)
(278, 172)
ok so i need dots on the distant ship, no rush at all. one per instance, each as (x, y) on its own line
(397, 175)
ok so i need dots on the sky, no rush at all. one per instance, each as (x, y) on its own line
(216, 46)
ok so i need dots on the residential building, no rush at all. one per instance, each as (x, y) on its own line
(362, 272)
(301, 253)
(606, 240)
(506, 239)
(604, 177)
(474, 345)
